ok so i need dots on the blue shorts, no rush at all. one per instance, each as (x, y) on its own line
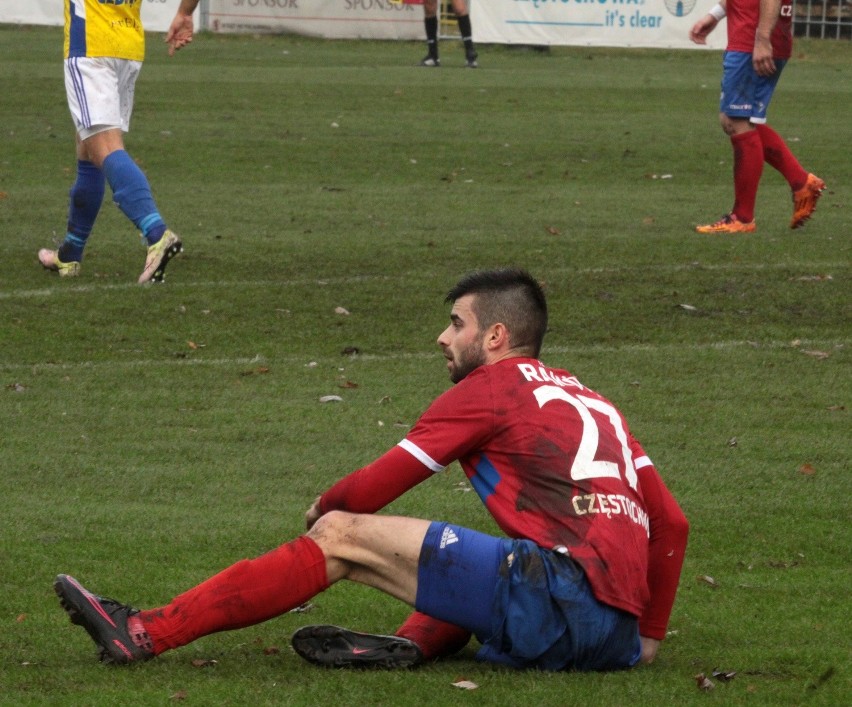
(529, 607)
(746, 94)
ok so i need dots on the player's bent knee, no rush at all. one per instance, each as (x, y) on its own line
(334, 531)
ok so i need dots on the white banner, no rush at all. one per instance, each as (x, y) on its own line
(334, 19)
(596, 23)
(156, 14)
(603, 23)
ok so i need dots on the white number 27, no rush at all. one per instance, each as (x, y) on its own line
(585, 466)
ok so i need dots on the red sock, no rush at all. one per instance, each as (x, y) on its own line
(777, 154)
(434, 638)
(748, 166)
(246, 593)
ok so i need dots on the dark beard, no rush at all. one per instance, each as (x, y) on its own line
(468, 361)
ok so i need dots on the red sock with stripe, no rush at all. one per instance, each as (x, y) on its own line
(247, 593)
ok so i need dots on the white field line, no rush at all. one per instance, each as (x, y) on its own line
(806, 268)
(434, 356)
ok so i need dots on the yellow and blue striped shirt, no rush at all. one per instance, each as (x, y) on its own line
(104, 28)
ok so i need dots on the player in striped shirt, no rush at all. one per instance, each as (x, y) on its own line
(104, 48)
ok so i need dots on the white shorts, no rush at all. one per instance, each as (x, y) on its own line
(100, 93)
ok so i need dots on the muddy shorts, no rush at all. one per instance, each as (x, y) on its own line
(529, 607)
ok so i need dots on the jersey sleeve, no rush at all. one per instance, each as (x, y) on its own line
(374, 486)
(666, 546)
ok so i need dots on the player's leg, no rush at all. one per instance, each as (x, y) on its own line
(451, 578)
(735, 110)
(106, 109)
(430, 23)
(246, 593)
(377, 550)
(460, 8)
(85, 199)
(87, 192)
(435, 638)
(748, 167)
(806, 188)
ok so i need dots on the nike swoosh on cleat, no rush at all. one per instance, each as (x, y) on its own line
(359, 651)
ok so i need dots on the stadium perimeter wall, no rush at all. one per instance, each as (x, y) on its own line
(604, 23)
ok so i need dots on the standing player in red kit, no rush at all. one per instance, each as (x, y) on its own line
(760, 41)
(587, 573)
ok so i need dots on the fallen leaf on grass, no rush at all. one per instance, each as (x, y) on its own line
(21, 618)
(464, 684)
(688, 307)
(271, 650)
(836, 408)
(807, 469)
(724, 675)
(179, 695)
(553, 231)
(204, 663)
(341, 310)
(707, 579)
(255, 371)
(17, 387)
(819, 355)
(704, 683)
(302, 609)
(733, 442)
(331, 399)
(350, 351)
(348, 384)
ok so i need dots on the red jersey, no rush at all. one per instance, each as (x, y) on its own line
(743, 16)
(554, 462)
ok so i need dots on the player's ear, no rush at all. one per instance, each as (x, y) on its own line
(497, 336)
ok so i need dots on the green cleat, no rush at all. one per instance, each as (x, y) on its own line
(49, 260)
(159, 256)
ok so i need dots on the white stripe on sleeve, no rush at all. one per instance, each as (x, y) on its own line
(642, 462)
(420, 455)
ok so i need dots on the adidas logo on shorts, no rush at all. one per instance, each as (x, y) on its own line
(448, 537)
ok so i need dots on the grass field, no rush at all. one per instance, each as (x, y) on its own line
(151, 436)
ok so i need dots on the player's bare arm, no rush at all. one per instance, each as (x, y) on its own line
(762, 60)
(705, 25)
(181, 30)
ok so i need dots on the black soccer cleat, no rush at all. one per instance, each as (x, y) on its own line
(105, 621)
(335, 647)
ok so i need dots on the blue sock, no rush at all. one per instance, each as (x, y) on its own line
(132, 193)
(86, 197)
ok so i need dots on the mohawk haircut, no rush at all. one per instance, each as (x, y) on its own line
(512, 297)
